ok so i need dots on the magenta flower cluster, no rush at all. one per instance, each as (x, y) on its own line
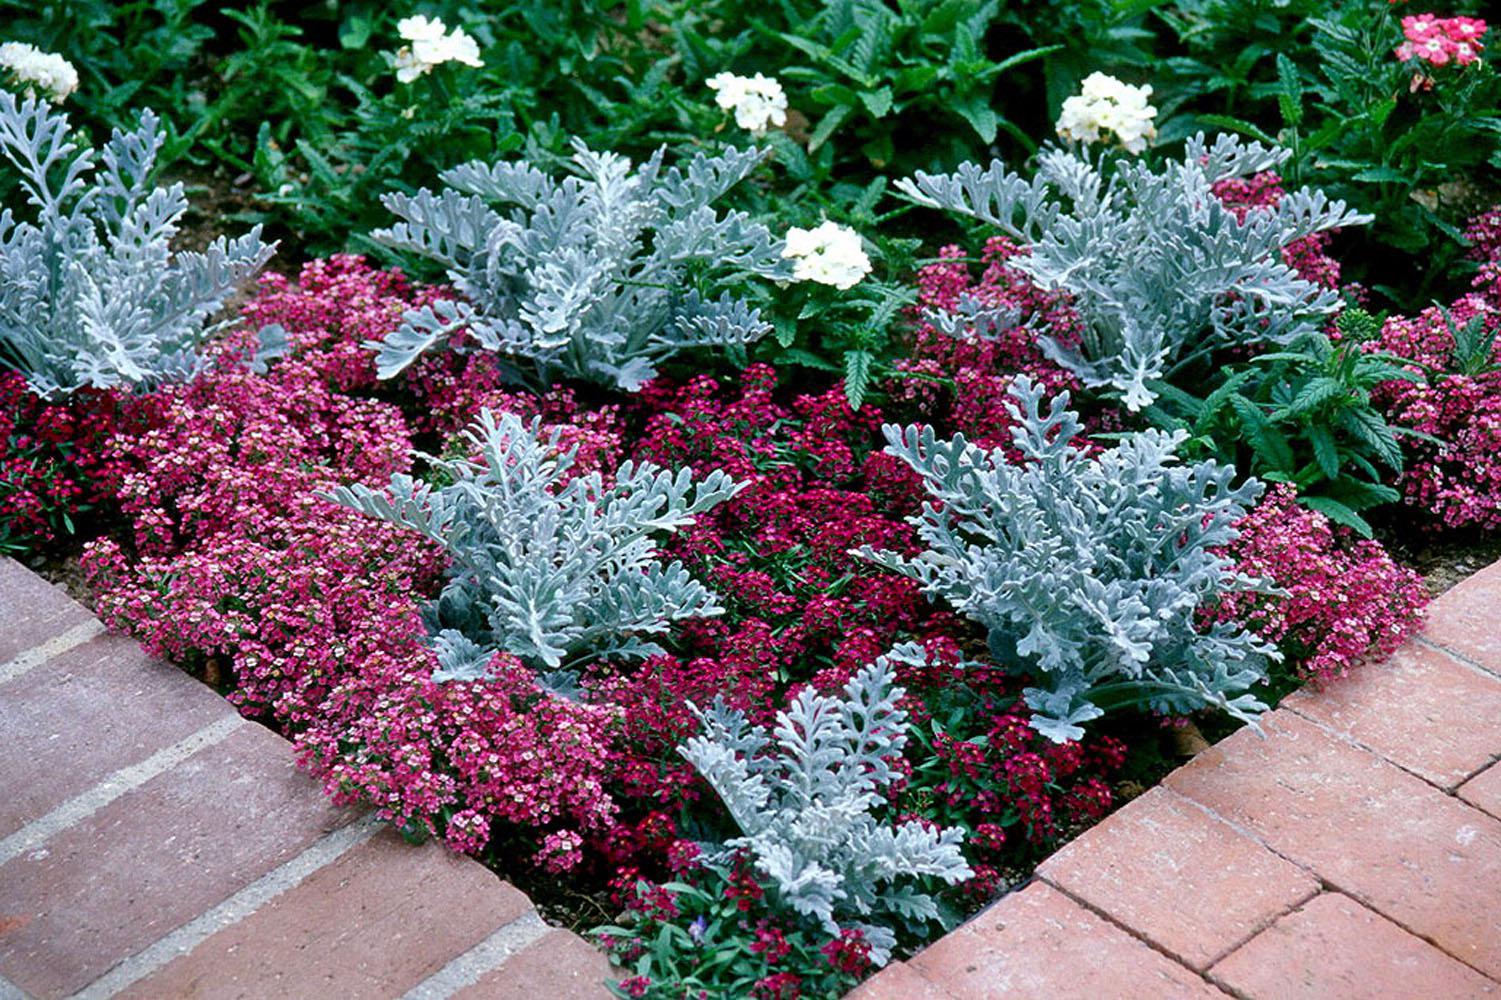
(236, 565)
(1343, 599)
(1454, 473)
(52, 461)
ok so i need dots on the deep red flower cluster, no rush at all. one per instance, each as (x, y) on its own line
(52, 461)
(1016, 791)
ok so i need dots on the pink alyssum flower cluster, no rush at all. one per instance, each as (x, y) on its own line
(1344, 601)
(1453, 475)
(237, 565)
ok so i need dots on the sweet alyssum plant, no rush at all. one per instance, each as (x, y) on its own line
(1161, 273)
(804, 795)
(91, 293)
(1089, 571)
(591, 277)
(552, 569)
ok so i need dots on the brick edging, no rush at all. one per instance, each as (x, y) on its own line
(1353, 851)
(155, 844)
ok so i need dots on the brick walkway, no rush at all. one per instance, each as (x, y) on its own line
(155, 845)
(1352, 854)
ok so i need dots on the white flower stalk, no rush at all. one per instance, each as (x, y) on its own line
(1106, 105)
(829, 254)
(758, 102)
(39, 72)
(432, 44)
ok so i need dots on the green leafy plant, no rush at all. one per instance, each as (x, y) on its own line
(397, 140)
(917, 60)
(719, 940)
(1418, 150)
(1303, 415)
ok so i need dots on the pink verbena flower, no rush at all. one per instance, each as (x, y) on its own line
(1440, 40)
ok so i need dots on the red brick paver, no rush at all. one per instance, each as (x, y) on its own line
(1183, 880)
(1396, 843)
(1453, 707)
(154, 859)
(32, 611)
(1039, 943)
(373, 923)
(899, 981)
(1352, 851)
(154, 844)
(1484, 790)
(1334, 947)
(559, 966)
(88, 712)
(1467, 619)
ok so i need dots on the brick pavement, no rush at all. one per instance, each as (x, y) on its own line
(153, 844)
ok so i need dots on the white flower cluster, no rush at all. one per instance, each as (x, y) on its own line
(829, 254)
(432, 45)
(757, 101)
(1105, 104)
(35, 70)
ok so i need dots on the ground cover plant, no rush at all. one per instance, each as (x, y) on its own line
(759, 478)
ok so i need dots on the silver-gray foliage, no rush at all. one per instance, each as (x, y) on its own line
(589, 277)
(550, 569)
(804, 796)
(1160, 271)
(1089, 571)
(91, 294)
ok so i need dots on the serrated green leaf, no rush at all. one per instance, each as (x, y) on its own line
(826, 126)
(1289, 92)
(877, 102)
(1338, 513)
(1325, 451)
(857, 369)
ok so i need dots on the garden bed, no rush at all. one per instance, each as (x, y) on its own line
(767, 550)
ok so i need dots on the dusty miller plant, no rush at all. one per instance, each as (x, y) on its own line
(1089, 571)
(553, 570)
(804, 796)
(590, 277)
(91, 293)
(1159, 270)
